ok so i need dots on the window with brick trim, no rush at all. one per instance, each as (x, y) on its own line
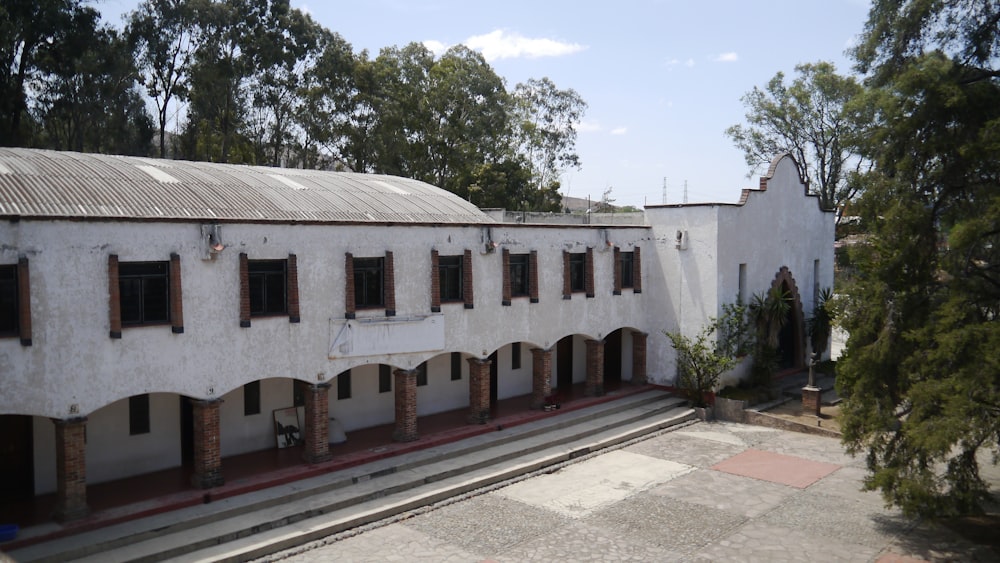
(456, 366)
(384, 378)
(138, 415)
(369, 286)
(268, 287)
(15, 301)
(344, 385)
(144, 293)
(251, 398)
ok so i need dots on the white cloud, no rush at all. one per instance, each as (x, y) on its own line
(730, 57)
(436, 47)
(619, 131)
(502, 44)
(689, 63)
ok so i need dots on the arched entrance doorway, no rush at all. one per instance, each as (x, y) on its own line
(791, 341)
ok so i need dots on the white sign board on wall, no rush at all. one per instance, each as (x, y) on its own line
(389, 335)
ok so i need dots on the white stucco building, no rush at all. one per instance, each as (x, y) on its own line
(155, 313)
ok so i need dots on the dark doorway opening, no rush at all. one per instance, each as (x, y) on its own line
(613, 357)
(187, 431)
(564, 366)
(17, 466)
(494, 384)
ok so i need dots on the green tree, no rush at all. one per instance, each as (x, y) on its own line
(819, 119)
(34, 34)
(921, 373)
(700, 361)
(545, 128)
(90, 101)
(164, 36)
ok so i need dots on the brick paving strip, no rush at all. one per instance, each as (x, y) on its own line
(776, 468)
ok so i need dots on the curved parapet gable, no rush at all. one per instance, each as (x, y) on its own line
(782, 160)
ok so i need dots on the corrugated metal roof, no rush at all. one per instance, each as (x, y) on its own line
(41, 183)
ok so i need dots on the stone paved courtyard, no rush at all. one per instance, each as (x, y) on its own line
(686, 495)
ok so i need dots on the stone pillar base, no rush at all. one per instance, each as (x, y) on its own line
(811, 400)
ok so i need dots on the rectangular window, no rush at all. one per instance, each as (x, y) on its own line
(268, 285)
(145, 292)
(577, 272)
(627, 263)
(344, 385)
(741, 292)
(251, 398)
(368, 283)
(515, 355)
(422, 374)
(456, 366)
(519, 275)
(8, 301)
(138, 414)
(384, 378)
(450, 277)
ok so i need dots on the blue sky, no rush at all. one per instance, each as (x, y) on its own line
(662, 78)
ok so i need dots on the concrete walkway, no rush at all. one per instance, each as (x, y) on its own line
(704, 492)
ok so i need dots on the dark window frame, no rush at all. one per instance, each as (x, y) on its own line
(138, 415)
(267, 300)
(422, 374)
(627, 260)
(144, 293)
(520, 275)
(369, 274)
(344, 385)
(384, 378)
(451, 278)
(456, 366)
(10, 312)
(251, 398)
(578, 272)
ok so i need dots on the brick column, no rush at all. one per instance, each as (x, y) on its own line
(389, 284)
(479, 391)
(811, 400)
(541, 376)
(207, 444)
(176, 295)
(316, 431)
(467, 285)
(617, 290)
(294, 313)
(639, 358)
(244, 290)
(588, 281)
(435, 282)
(71, 469)
(594, 387)
(406, 405)
(114, 298)
(505, 271)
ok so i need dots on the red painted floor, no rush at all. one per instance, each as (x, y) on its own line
(776, 468)
(170, 489)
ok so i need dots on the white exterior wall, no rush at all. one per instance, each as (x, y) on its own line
(74, 368)
(779, 227)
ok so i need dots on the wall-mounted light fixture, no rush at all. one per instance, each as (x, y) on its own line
(486, 236)
(681, 240)
(211, 236)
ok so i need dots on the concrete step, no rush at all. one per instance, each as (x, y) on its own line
(368, 492)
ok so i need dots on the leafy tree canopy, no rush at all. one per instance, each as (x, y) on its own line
(921, 374)
(819, 119)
